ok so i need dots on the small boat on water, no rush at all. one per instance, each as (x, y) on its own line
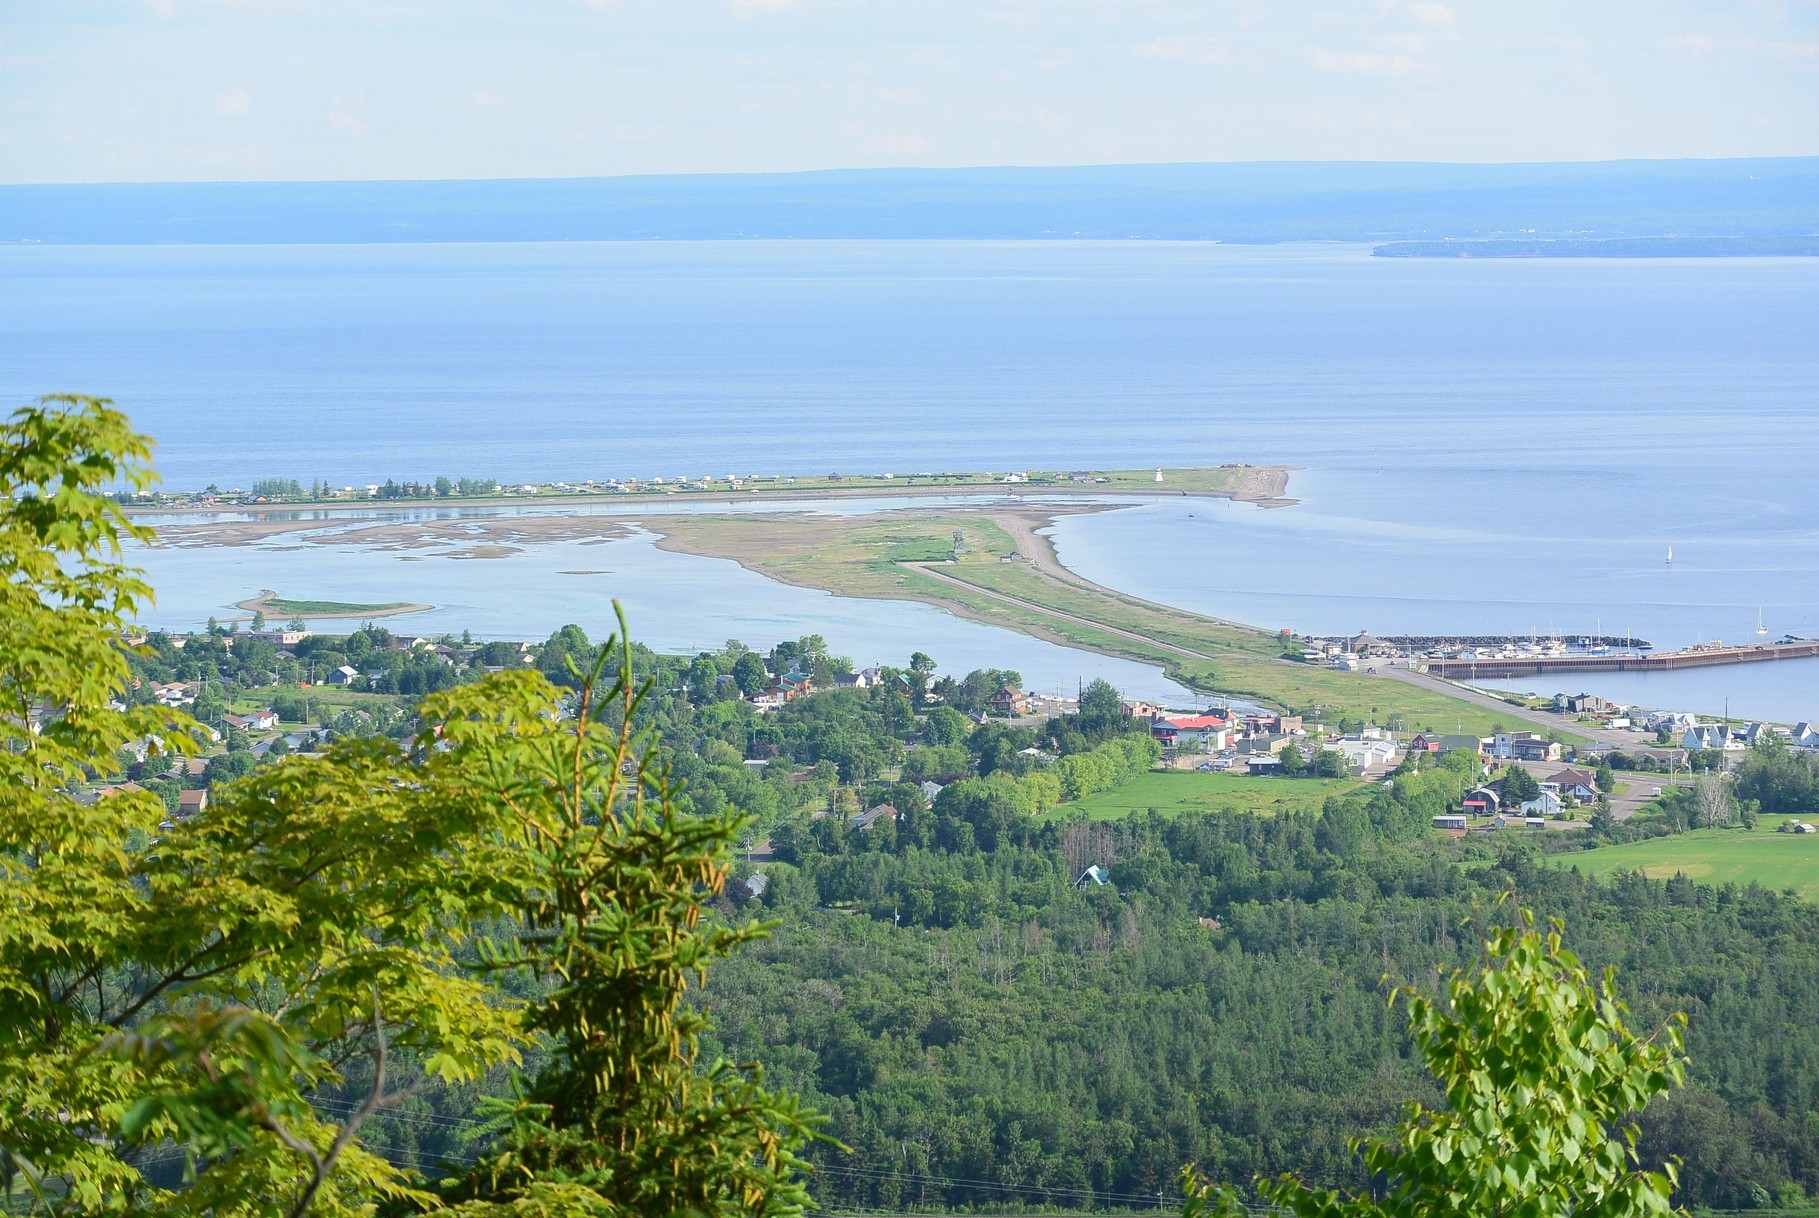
(1670, 556)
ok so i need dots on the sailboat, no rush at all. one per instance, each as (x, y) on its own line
(1761, 630)
(1670, 556)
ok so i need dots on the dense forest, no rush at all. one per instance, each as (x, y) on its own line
(987, 1028)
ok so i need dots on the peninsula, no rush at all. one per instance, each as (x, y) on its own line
(1263, 485)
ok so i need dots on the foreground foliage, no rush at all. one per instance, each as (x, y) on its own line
(1540, 1074)
(202, 1016)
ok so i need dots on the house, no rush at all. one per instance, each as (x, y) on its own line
(872, 816)
(1537, 750)
(1545, 804)
(278, 638)
(191, 802)
(176, 693)
(756, 883)
(1456, 824)
(1579, 786)
(1009, 700)
(1363, 754)
(1589, 704)
(237, 722)
(1481, 801)
(1454, 744)
(344, 675)
(262, 721)
(1806, 736)
(1706, 736)
(1752, 734)
(930, 790)
(1138, 709)
(1504, 745)
(1211, 732)
(1421, 744)
(1093, 876)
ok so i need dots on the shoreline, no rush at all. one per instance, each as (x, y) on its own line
(1261, 485)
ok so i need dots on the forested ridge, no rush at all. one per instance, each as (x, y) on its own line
(985, 1030)
(1080, 1044)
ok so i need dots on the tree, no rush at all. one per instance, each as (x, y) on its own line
(258, 619)
(1605, 781)
(750, 674)
(1519, 786)
(1712, 799)
(216, 985)
(1101, 707)
(1292, 761)
(1541, 1076)
(703, 676)
(946, 726)
(921, 661)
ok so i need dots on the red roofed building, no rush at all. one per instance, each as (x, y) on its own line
(1212, 732)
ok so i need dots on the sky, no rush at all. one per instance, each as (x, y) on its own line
(208, 90)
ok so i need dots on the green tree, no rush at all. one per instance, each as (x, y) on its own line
(1519, 786)
(216, 984)
(1541, 1077)
(750, 674)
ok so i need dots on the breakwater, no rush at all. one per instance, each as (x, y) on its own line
(1667, 661)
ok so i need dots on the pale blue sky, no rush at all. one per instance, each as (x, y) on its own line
(146, 90)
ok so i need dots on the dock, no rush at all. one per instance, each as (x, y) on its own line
(1665, 661)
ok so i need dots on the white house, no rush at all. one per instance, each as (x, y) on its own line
(1544, 804)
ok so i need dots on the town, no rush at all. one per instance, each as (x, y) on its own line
(264, 693)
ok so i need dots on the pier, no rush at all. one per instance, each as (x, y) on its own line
(1667, 661)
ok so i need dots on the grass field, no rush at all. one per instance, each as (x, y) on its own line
(1717, 856)
(1182, 792)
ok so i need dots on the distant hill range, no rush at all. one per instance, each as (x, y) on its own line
(1254, 203)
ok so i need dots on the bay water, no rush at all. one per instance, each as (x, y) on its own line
(1483, 446)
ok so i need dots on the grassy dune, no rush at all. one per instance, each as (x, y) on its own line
(875, 556)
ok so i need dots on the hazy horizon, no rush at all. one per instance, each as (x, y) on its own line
(206, 90)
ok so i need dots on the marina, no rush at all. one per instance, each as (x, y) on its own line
(1700, 656)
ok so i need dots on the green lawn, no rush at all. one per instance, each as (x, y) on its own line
(1716, 856)
(1175, 792)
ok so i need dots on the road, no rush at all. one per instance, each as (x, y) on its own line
(933, 571)
(1546, 719)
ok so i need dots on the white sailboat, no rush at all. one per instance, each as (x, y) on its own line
(1761, 630)
(1670, 556)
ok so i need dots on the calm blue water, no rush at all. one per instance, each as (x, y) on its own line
(1487, 445)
